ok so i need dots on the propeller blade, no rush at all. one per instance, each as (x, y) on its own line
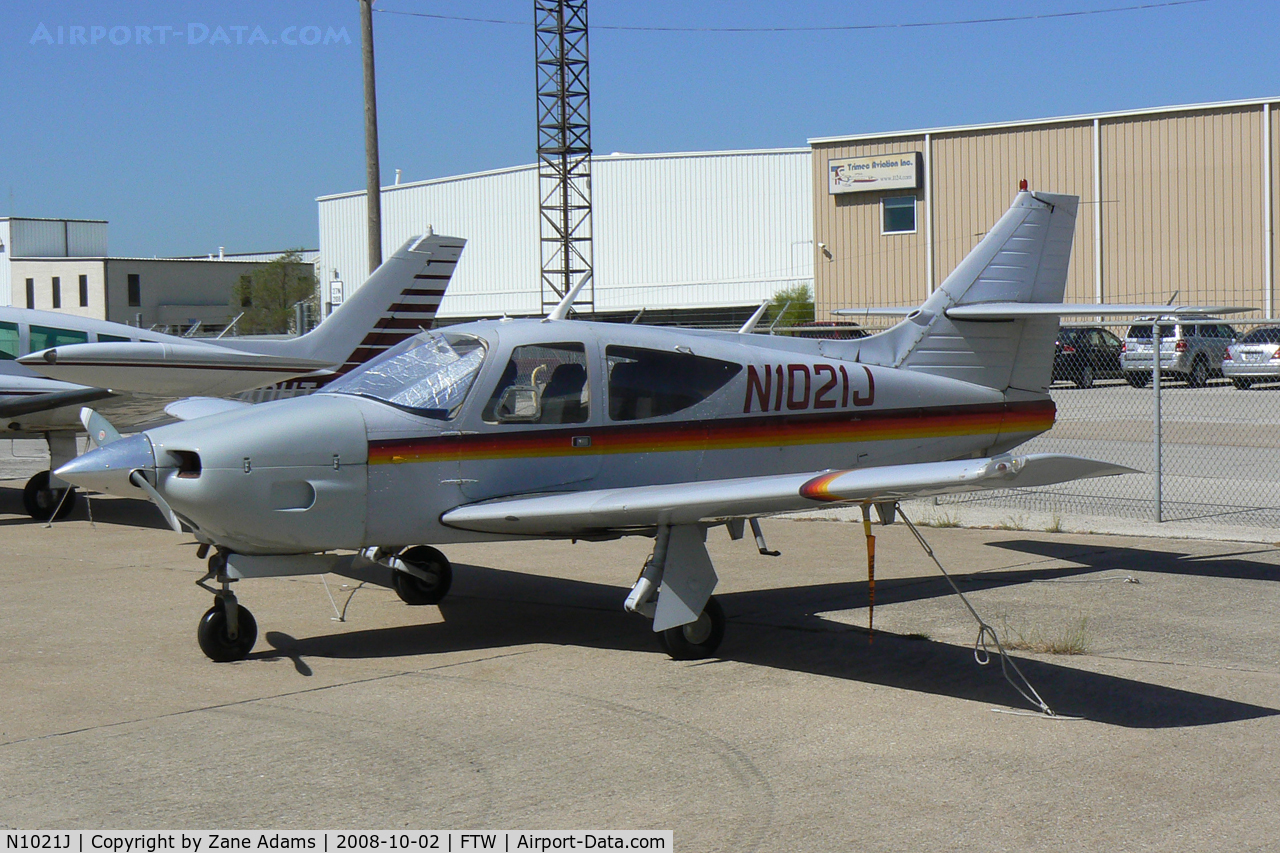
(100, 430)
(167, 511)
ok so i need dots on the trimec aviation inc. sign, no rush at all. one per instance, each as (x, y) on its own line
(877, 172)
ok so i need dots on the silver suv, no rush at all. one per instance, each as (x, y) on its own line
(1191, 348)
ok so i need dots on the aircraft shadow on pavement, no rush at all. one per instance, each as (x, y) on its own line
(492, 609)
(1108, 558)
(105, 510)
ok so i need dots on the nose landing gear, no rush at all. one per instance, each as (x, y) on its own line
(228, 630)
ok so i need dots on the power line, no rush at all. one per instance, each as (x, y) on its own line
(1141, 7)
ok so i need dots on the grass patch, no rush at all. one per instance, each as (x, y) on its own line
(916, 635)
(1055, 524)
(1071, 639)
(941, 520)
(1012, 523)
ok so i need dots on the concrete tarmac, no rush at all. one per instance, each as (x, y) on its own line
(529, 700)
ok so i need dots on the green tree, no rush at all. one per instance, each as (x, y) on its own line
(791, 306)
(268, 295)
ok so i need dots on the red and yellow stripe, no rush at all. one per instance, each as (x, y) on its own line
(731, 434)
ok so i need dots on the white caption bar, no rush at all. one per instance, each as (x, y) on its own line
(331, 841)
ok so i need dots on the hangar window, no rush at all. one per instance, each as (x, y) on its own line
(31, 293)
(542, 384)
(645, 383)
(43, 337)
(135, 290)
(84, 291)
(8, 341)
(898, 215)
(57, 292)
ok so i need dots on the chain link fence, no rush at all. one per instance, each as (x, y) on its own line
(1207, 454)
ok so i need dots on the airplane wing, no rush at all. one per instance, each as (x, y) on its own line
(581, 513)
(15, 405)
(167, 368)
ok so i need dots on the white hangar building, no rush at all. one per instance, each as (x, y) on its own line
(685, 232)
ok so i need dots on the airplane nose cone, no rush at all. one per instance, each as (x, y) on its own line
(107, 469)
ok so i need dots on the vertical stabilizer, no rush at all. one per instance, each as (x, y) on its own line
(398, 301)
(1023, 258)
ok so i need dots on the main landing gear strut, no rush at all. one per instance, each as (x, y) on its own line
(688, 621)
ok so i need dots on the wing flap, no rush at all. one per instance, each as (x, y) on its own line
(581, 513)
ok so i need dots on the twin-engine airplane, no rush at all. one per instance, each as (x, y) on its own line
(134, 376)
(518, 429)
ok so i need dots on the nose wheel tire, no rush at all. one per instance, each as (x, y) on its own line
(698, 639)
(413, 589)
(42, 502)
(215, 639)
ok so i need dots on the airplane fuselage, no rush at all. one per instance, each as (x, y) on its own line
(646, 406)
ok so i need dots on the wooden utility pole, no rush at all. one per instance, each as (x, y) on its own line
(373, 193)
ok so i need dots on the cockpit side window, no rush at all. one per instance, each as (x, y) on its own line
(429, 374)
(645, 383)
(8, 341)
(44, 337)
(542, 384)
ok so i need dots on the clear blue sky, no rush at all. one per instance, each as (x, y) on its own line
(185, 147)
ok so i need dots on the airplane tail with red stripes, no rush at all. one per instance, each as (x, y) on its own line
(397, 302)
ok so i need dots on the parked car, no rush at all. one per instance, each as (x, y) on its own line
(1254, 358)
(1191, 348)
(1085, 353)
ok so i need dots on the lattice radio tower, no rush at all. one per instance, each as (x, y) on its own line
(564, 149)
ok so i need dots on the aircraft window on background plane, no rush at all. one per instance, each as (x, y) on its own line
(646, 383)
(112, 339)
(8, 341)
(43, 337)
(429, 374)
(542, 384)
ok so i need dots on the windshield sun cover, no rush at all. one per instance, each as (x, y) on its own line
(427, 375)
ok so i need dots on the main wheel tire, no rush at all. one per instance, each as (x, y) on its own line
(1084, 379)
(413, 589)
(1198, 377)
(1137, 378)
(42, 502)
(698, 639)
(213, 638)
(1242, 384)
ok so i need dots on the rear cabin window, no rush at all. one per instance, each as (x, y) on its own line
(8, 341)
(43, 337)
(542, 384)
(645, 383)
(103, 338)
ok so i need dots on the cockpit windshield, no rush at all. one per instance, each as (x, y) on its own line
(429, 374)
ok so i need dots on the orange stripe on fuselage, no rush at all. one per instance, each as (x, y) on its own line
(730, 434)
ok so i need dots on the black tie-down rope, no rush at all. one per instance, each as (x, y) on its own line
(981, 651)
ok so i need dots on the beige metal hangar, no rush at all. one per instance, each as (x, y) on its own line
(1173, 200)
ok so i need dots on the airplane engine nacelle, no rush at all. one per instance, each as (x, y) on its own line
(272, 478)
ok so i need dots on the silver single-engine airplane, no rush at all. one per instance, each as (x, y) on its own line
(136, 376)
(557, 428)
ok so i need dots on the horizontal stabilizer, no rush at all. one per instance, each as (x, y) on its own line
(602, 510)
